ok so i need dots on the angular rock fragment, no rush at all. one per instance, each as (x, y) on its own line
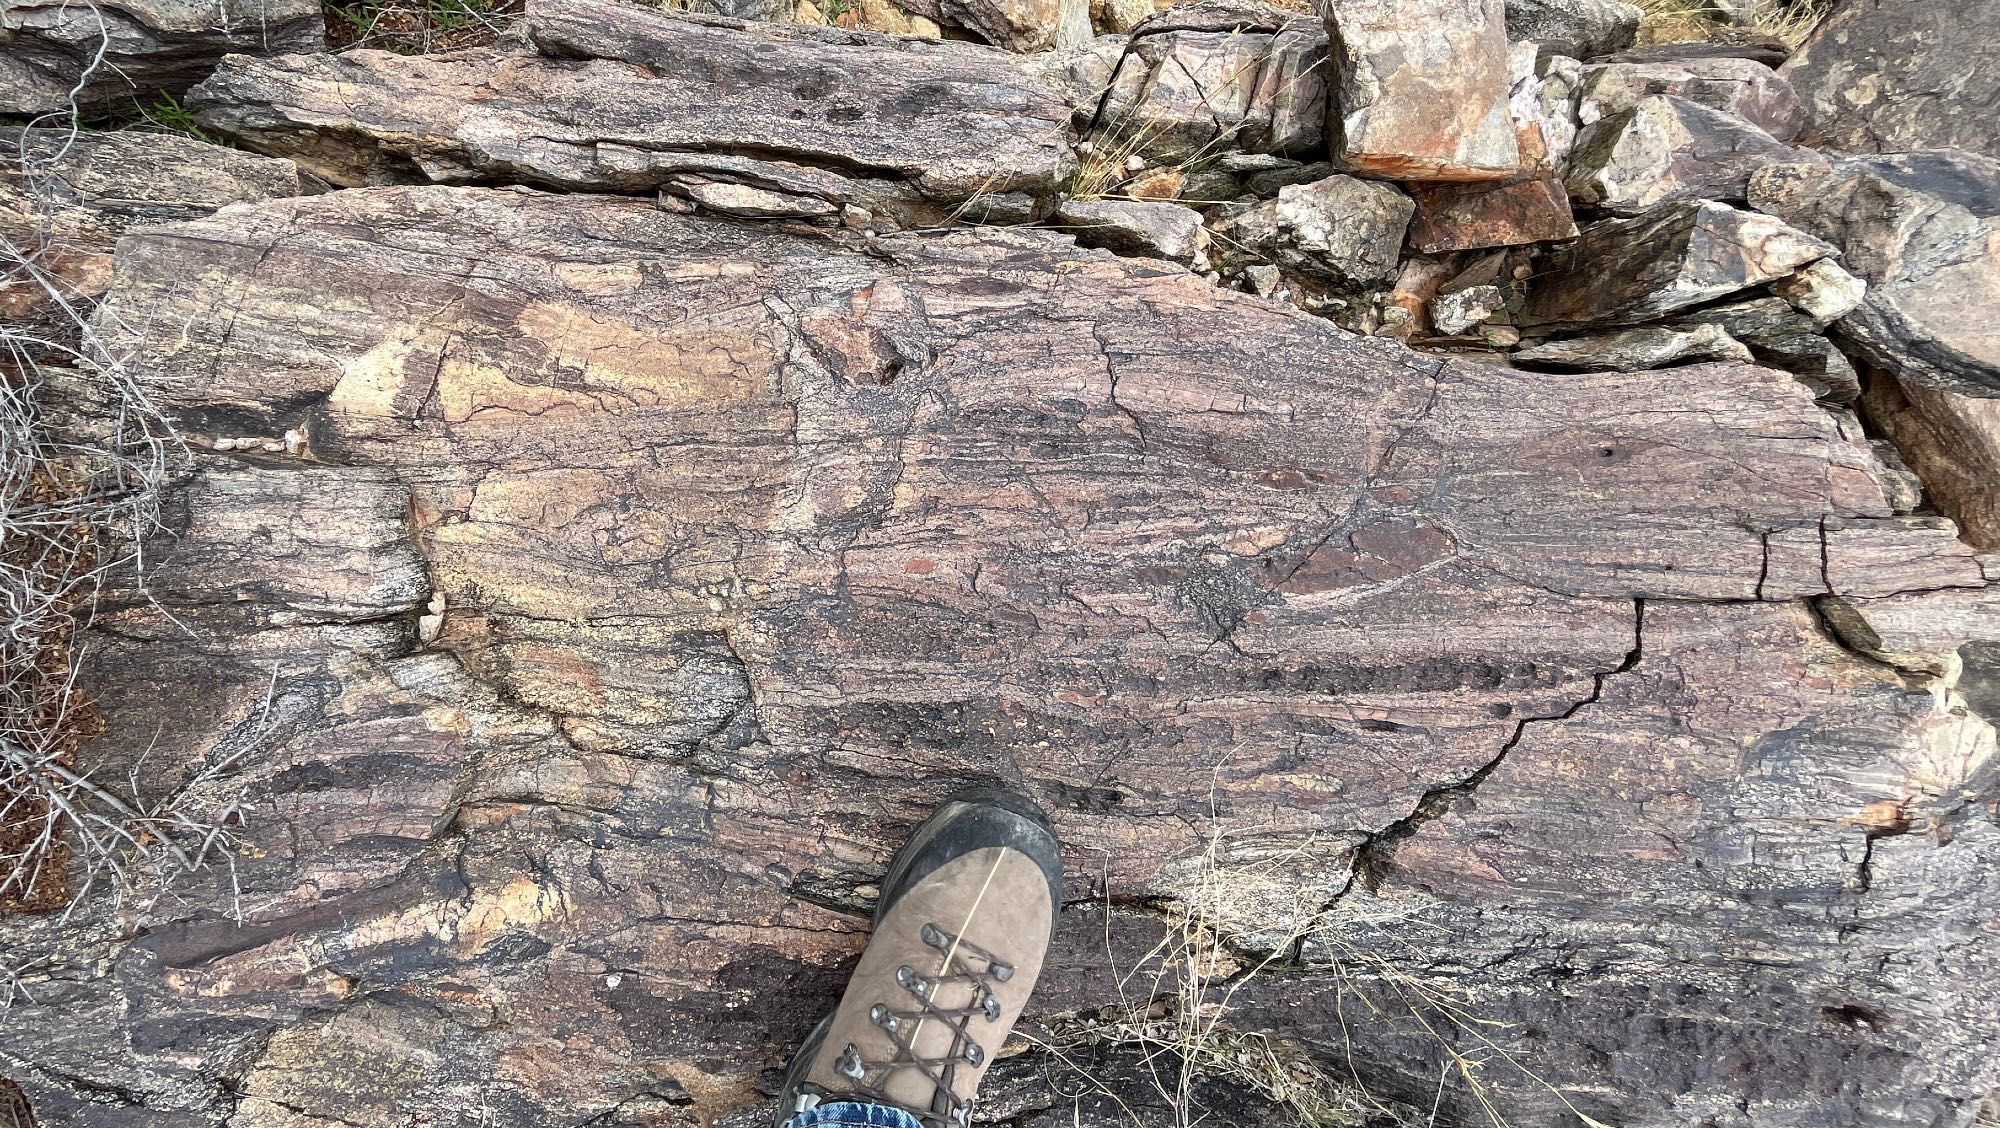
(1923, 230)
(624, 98)
(1581, 29)
(1542, 101)
(1780, 335)
(1879, 76)
(1463, 217)
(1629, 350)
(1823, 291)
(1420, 89)
(1202, 78)
(1342, 229)
(1023, 26)
(1920, 631)
(1743, 87)
(1952, 441)
(49, 50)
(1762, 51)
(1148, 228)
(1667, 149)
(1624, 271)
(1456, 311)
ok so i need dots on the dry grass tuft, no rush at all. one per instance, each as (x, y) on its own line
(1691, 21)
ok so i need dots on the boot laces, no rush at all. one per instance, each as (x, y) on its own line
(966, 965)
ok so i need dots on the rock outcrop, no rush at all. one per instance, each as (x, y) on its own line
(1485, 671)
(616, 98)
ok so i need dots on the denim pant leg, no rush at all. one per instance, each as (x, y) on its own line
(854, 1113)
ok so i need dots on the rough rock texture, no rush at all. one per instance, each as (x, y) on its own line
(1134, 227)
(1881, 76)
(1781, 335)
(1204, 77)
(1342, 229)
(1629, 350)
(1744, 87)
(49, 48)
(1017, 25)
(1952, 442)
(1542, 101)
(645, 576)
(623, 98)
(1463, 217)
(1623, 271)
(1666, 149)
(65, 201)
(1580, 29)
(1420, 89)
(1923, 230)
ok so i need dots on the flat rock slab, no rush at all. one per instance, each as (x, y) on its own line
(1667, 149)
(1878, 76)
(1744, 87)
(623, 98)
(684, 563)
(49, 51)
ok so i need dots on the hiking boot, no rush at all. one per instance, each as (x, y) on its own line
(961, 930)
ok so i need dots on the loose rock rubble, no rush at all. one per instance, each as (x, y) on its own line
(1500, 519)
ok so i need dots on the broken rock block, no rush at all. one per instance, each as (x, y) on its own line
(1923, 231)
(1823, 291)
(1542, 100)
(1201, 78)
(1920, 631)
(1743, 87)
(1952, 441)
(148, 47)
(1625, 271)
(617, 97)
(1343, 230)
(1885, 76)
(1420, 89)
(1667, 149)
(1148, 228)
(1780, 335)
(1463, 217)
(1022, 26)
(1581, 29)
(1629, 350)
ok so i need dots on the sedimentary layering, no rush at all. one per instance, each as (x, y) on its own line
(120, 57)
(640, 577)
(679, 449)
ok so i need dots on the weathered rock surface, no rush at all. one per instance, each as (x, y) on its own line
(1342, 229)
(1781, 335)
(1542, 101)
(65, 201)
(1463, 217)
(1952, 441)
(1202, 78)
(49, 48)
(1134, 227)
(1885, 77)
(1016, 25)
(1743, 87)
(658, 571)
(1667, 149)
(1630, 350)
(623, 98)
(1923, 230)
(1420, 89)
(1624, 271)
(1580, 29)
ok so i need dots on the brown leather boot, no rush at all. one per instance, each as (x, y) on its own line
(961, 930)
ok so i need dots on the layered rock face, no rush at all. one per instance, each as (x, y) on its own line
(118, 56)
(681, 449)
(1882, 77)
